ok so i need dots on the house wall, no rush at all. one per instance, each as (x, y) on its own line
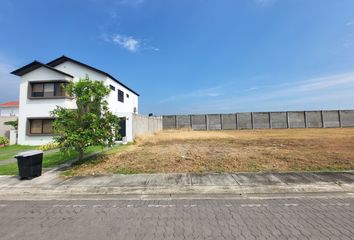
(115, 106)
(31, 108)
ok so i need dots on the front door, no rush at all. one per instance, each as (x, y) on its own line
(122, 130)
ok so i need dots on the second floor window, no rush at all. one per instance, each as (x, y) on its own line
(47, 89)
(120, 96)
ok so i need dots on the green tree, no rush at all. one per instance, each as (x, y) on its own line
(91, 124)
(13, 124)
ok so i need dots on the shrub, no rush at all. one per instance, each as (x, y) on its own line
(4, 140)
(49, 146)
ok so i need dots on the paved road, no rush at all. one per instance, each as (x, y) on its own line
(297, 218)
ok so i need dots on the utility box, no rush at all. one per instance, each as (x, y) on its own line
(29, 164)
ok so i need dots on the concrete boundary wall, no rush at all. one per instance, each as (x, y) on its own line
(261, 120)
(146, 125)
(5, 129)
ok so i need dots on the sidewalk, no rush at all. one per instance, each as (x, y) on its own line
(239, 184)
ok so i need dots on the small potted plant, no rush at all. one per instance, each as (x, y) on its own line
(3, 141)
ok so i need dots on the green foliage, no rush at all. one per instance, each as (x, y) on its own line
(4, 140)
(14, 123)
(49, 146)
(91, 124)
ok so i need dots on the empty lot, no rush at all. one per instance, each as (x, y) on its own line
(230, 151)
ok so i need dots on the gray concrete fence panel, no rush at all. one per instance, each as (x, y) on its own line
(296, 119)
(214, 121)
(183, 121)
(199, 122)
(228, 121)
(347, 118)
(261, 120)
(169, 122)
(331, 119)
(314, 119)
(244, 120)
(279, 120)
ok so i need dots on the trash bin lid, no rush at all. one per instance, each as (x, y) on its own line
(29, 153)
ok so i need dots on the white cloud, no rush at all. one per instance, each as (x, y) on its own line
(128, 43)
(329, 92)
(350, 23)
(205, 92)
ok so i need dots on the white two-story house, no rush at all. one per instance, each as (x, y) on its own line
(41, 92)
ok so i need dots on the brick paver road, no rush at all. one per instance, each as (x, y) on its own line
(304, 218)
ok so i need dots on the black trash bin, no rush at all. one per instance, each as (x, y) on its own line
(29, 164)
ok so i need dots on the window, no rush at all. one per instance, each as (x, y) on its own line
(120, 96)
(112, 87)
(127, 95)
(47, 90)
(40, 126)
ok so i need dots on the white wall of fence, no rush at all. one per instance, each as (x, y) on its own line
(146, 125)
(5, 129)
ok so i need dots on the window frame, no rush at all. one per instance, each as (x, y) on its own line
(30, 89)
(113, 88)
(120, 95)
(28, 126)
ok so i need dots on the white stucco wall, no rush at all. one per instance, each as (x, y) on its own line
(8, 111)
(30, 108)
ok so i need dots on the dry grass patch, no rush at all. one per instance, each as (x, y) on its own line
(230, 151)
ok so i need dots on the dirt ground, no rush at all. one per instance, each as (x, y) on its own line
(230, 151)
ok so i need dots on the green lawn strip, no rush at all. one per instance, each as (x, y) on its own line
(49, 160)
(10, 151)
(92, 159)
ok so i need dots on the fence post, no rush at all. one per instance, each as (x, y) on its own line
(207, 121)
(237, 124)
(270, 120)
(340, 118)
(221, 122)
(322, 119)
(176, 123)
(252, 120)
(305, 118)
(190, 119)
(287, 120)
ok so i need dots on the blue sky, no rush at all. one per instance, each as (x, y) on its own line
(200, 56)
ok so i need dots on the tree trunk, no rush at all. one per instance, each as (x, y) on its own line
(81, 154)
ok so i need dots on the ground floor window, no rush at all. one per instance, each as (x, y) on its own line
(40, 126)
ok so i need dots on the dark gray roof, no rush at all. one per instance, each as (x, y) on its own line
(63, 58)
(33, 66)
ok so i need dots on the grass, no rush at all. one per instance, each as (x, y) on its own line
(49, 160)
(10, 151)
(280, 150)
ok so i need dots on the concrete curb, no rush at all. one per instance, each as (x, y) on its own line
(240, 184)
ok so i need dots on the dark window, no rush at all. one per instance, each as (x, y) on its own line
(47, 89)
(127, 95)
(41, 126)
(112, 87)
(120, 96)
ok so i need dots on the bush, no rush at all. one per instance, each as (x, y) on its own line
(49, 146)
(4, 140)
